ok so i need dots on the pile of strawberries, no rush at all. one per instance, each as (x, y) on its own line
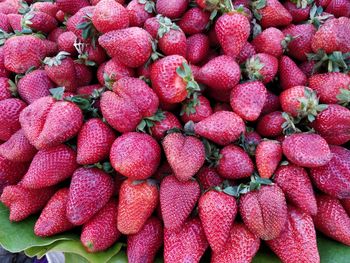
(178, 126)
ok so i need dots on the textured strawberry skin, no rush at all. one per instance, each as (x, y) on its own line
(290, 99)
(11, 172)
(137, 13)
(71, 7)
(208, 177)
(5, 92)
(269, 41)
(171, 8)
(160, 127)
(290, 74)
(194, 21)
(173, 43)
(268, 155)
(274, 14)
(270, 125)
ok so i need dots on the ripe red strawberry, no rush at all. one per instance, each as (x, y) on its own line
(247, 51)
(185, 154)
(112, 71)
(140, 11)
(272, 13)
(333, 124)
(186, 244)
(24, 202)
(128, 156)
(47, 122)
(268, 155)
(328, 179)
(264, 211)
(90, 54)
(18, 148)
(270, 41)
(235, 163)
(197, 48)
(302, 37)
(248, 99)
(306, 150)
(3, 71)
(89, 191)
(110, 15)
(289, 74)
(262, 67)
(208, 177)
(83, 74)
(143, 246)
(34, 85)
(46, 7)
(220, 74)
(297, 242)
(23, 52)
(222, 127)
(339, 8)
(131, 46)
(11, 172)
(39, 21)
(299, 10)
(66, 42)
(137, 202)
(177, 200)
(71, 7)
(101, 231)
(272, 103)
(217, 211)
(297, 187)
(198, 112)
(170, 121)
(194, 21)
(171, 8)
(88, 90)
(332, 220)
(50, 167)
(241, 246)
(270, 125)
(10, 110)
(15, 21)
(4, 23)
(53, 218)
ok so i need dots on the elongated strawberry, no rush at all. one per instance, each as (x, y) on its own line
(272, 13)
(132, 46)
(47, 122)
(137, 201)
(171, 8)
(208, 177)
(128, 155)
(264, 211)
(289, 73)
(11, 172)
(306, 150)
(332, 220)
(297, 187)
(187, 243)
(270, 125)
(262, 67)
(217, 211)
(270, 41)
(242, 245)
(10, 110)
(24, 202)
(53, 218)
(89, 191)
(268, 155)
(143, 246)
(222, 127)
(297, 242)
(39, 21)
(185, 154)
(177, 200)
(101, 231)
(194, 21)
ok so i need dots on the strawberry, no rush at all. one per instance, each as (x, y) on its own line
(194, 21)
(272, 103)
(270, 41)
(222, 106)
(234, 163)
(4, 73)
(39, 22)
(248, 99)
(271, 13)
(46, 7)
(11, 172)
(18, 148)
(89, 54)
(83, 74)
(186, 244)
(217, 211)
(177, 200)
(66, 42)
(198, 112)
(297, 242)
(143, 246)
(140, 11)
(131, 46)
(221, 73)
(10, 110)
(15, 21)
(299, 10)
(34, 85)
(23, 52)
(346, 205)
(249, 141)
(60, 69)
(339, 8)
(339, 185)
(137, 201)
(24, 202)
(232, 28)
(333, 36)
(268, 155)
(208, 177)
(289, 74)
(113, 71)
(5, 89)
(306, 150)
(185, 154)
(297, 187)
(307, 67)
(222, 127)
(53, 218)
(110, 15)
(262, 67)
(270, 125)
(171, 8)
(128, 156)
(332, 220)
(101, 231)
(242, 245)
(71, 7)
(159, 129)
(4, 23)
(246, 52)
(89, 191)
(197, 48)
(264, 211)
(47, 122)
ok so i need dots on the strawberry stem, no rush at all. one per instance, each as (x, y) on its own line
(148, 122)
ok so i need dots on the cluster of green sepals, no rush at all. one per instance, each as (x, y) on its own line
(148, 122)
(57, 60)
(334, 62)
(83, 56)
(88, 29)
(150, 6)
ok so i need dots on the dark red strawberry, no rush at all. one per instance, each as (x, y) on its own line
(262, 67)
(196, 113)
(299, 10)
(194, 21)
(39, 21)
(197, 48)
(249, 141)
(4, 73)
(297, 187)
(171, 8)
(289, 74)
(272, 13)
(11, 172)
(46, 7)
(53, 218)
(247, 51)
(177, 200)
(222, 106)
(70, 7)
(84, 74)
(346, 204)
(270, 41)
(160, 128)
(339, 8)
(144, 245)
(10, 110)
(140, 11)
(270, 125)
(272, 103)
(128, 156)
(208, 177)
(268, 155)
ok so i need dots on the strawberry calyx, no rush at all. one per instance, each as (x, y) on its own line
(88, 29)
(289, 126)
(155, 54)
(150, 7)
(190, 105)
(165, 25)
(57, 93)
(57, 60)
(253, 67)
(212, 153)
(148, 122)
(109, 80)
(310, 106)
(86, 102)
(318, 17)
(334, 62)
(4, 36)
(285, 42)
(302, 3)
(248, 146)
(24, 8)
(83, 55)
(344, 97)
(13, 88)
(256, 6)
(105, 166)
